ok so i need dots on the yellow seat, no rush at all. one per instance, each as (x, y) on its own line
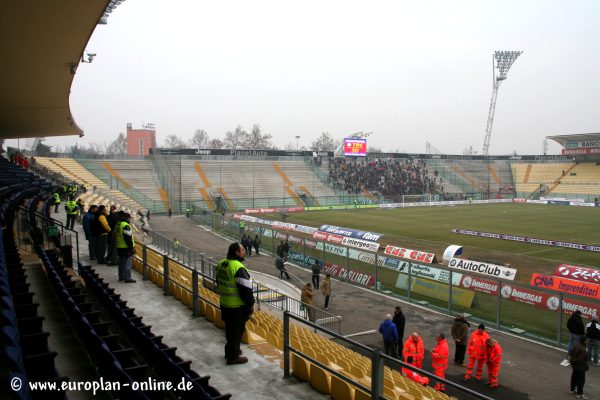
(340, 389)
(300, 368)
(389, 393)
(320, 380)
(360, 395)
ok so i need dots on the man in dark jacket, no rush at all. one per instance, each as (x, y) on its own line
(579, 363)
(100, 230)
(460, 334)
(390, 336)
(576, 329)
(400, 322)
(87, 230)
(237, 300)
(280, 265)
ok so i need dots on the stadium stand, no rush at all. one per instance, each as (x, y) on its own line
(72, 170)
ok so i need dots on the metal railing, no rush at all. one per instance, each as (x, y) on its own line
(378, 361)
(205, 266)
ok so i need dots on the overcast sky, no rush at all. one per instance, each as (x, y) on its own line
(409, 72)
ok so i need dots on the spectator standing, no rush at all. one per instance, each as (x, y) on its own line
(256, 243)
(326, 289)
(81, 209)
(400, 322)
(316, 273)
(576, 329)
(280, 265)
(578, 358)
(100, 229)
(286, 249)
(87, 230)
(124, 244)
(279, 250)
(148, 215)
(306, 297)
(460, 334)
(413, 347)
(439, 360)
(236, 300)
(477, 351)
(390, 336)
(592, 332)
(493, 358)
(170, 212)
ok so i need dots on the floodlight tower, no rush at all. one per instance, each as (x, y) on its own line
(501, 62)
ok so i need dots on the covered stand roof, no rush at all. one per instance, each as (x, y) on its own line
(578, 137)
(41, 44)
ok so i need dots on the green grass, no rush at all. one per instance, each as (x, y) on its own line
(430, 229)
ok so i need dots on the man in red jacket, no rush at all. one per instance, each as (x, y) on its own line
(476, 350)
(493, 358)
(439, 360)
(413, 347)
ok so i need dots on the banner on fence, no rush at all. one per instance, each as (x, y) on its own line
(567, 286)
(578, 273)
(493, 270)
(479, 285)
(439, 291)
(353, 233)
(415, 255)
(356, 277)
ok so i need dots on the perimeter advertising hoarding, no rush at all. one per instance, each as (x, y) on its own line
(414, 255)
(355, 147)
(493, 270)
(567, 286)
(578, 273)
(364, 235)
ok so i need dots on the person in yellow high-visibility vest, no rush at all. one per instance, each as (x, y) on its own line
(56, 201)
(72, 210)
(236, 299)
(125, 247)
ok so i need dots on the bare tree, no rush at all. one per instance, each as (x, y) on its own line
(324, 143)
(174, 142)
(215, 144)
(200, 139)
(372, 149)
(237, 139)
(118, 146)
(257, 140)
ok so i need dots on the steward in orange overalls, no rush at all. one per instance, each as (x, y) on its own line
(439, 361)
(413, 347)
(493, 358)
(476, 350)
(413, 376)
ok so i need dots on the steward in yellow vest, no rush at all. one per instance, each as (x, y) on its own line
(124, 243)
(237, 300)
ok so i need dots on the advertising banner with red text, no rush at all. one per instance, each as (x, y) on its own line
(356, 277)
(415, 255)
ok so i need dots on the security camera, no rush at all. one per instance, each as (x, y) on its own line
(81, 134)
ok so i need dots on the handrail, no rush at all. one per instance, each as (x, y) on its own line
(287, 304)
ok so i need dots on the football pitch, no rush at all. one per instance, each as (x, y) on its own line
(430, 229)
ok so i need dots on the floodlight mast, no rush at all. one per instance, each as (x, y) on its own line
(501, 61)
